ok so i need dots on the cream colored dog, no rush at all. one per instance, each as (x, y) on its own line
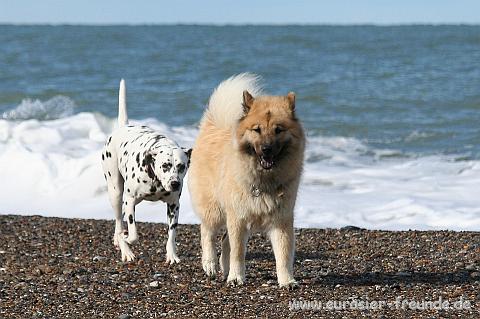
(244, 174)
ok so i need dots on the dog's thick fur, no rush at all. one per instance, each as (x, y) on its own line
(245, 172)
(141, 164)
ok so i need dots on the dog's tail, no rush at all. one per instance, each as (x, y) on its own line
(122, 105)
(225, 104)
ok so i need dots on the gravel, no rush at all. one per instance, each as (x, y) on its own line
(68, 268)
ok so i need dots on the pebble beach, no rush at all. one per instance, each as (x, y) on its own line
(68, 268)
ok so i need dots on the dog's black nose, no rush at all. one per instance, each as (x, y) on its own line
(175, 185)
(267, 149)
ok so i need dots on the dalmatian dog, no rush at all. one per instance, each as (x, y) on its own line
(141, 164)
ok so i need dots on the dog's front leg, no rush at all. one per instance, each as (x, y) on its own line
(172, 216)
(283, 244)
(238, 236)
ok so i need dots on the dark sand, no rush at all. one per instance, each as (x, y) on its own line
(49, 269)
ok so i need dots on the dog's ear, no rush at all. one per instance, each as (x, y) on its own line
(247, 101)
(148, 164)
(291, 101)
(188, 152)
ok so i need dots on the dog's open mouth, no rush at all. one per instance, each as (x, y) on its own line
(266, 162)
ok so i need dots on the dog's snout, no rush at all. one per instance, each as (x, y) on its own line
(175, 185)
(267, 149)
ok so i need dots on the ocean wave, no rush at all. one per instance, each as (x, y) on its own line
(52, 168)
(57, 107)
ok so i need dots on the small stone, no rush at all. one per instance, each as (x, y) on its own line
(157, 275)
(99, 258)
(471, 267)
(403, 274)
(80, 290)
(124, 316)
(475, 274)
(459, 265)
(154, 284)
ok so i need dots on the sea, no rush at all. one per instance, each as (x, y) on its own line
(391, 113)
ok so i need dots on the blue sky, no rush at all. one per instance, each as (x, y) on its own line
(240, 12)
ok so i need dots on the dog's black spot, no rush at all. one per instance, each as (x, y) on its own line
(105, 176)
(109, 174)
(128, 190)
(173, 226)
(125, 144)
(109, 140)
(153, 189)
(126, 177)
(141, 169)
(133, 175)
(138, 180)
(130, 219)
(132, 168)
(138, 158)
(103, 157)
(126, 203)
(144, 181)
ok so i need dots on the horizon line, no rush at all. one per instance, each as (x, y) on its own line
(240, 24)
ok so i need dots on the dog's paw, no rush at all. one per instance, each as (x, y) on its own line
(289, 284)
(235, 282)
(210, 268)
(128, 255)
(172, 259)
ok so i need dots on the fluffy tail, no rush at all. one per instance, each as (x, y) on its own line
(225, 104)
(122, 105)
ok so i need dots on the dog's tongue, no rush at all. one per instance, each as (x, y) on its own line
(266, 162)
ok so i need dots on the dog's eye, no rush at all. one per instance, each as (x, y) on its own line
(279, 130)
(166, 166)
(181, 168)
(257, 129)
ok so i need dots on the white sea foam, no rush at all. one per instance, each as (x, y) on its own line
(52, 168)
(57, 107)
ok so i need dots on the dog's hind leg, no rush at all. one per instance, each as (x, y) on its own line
(172, 215)
(123, 241)
(129, 209)
(283, 244)
(115, 194)
(116, 201)
(225, 256)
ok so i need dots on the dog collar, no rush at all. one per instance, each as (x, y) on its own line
(255, 190)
